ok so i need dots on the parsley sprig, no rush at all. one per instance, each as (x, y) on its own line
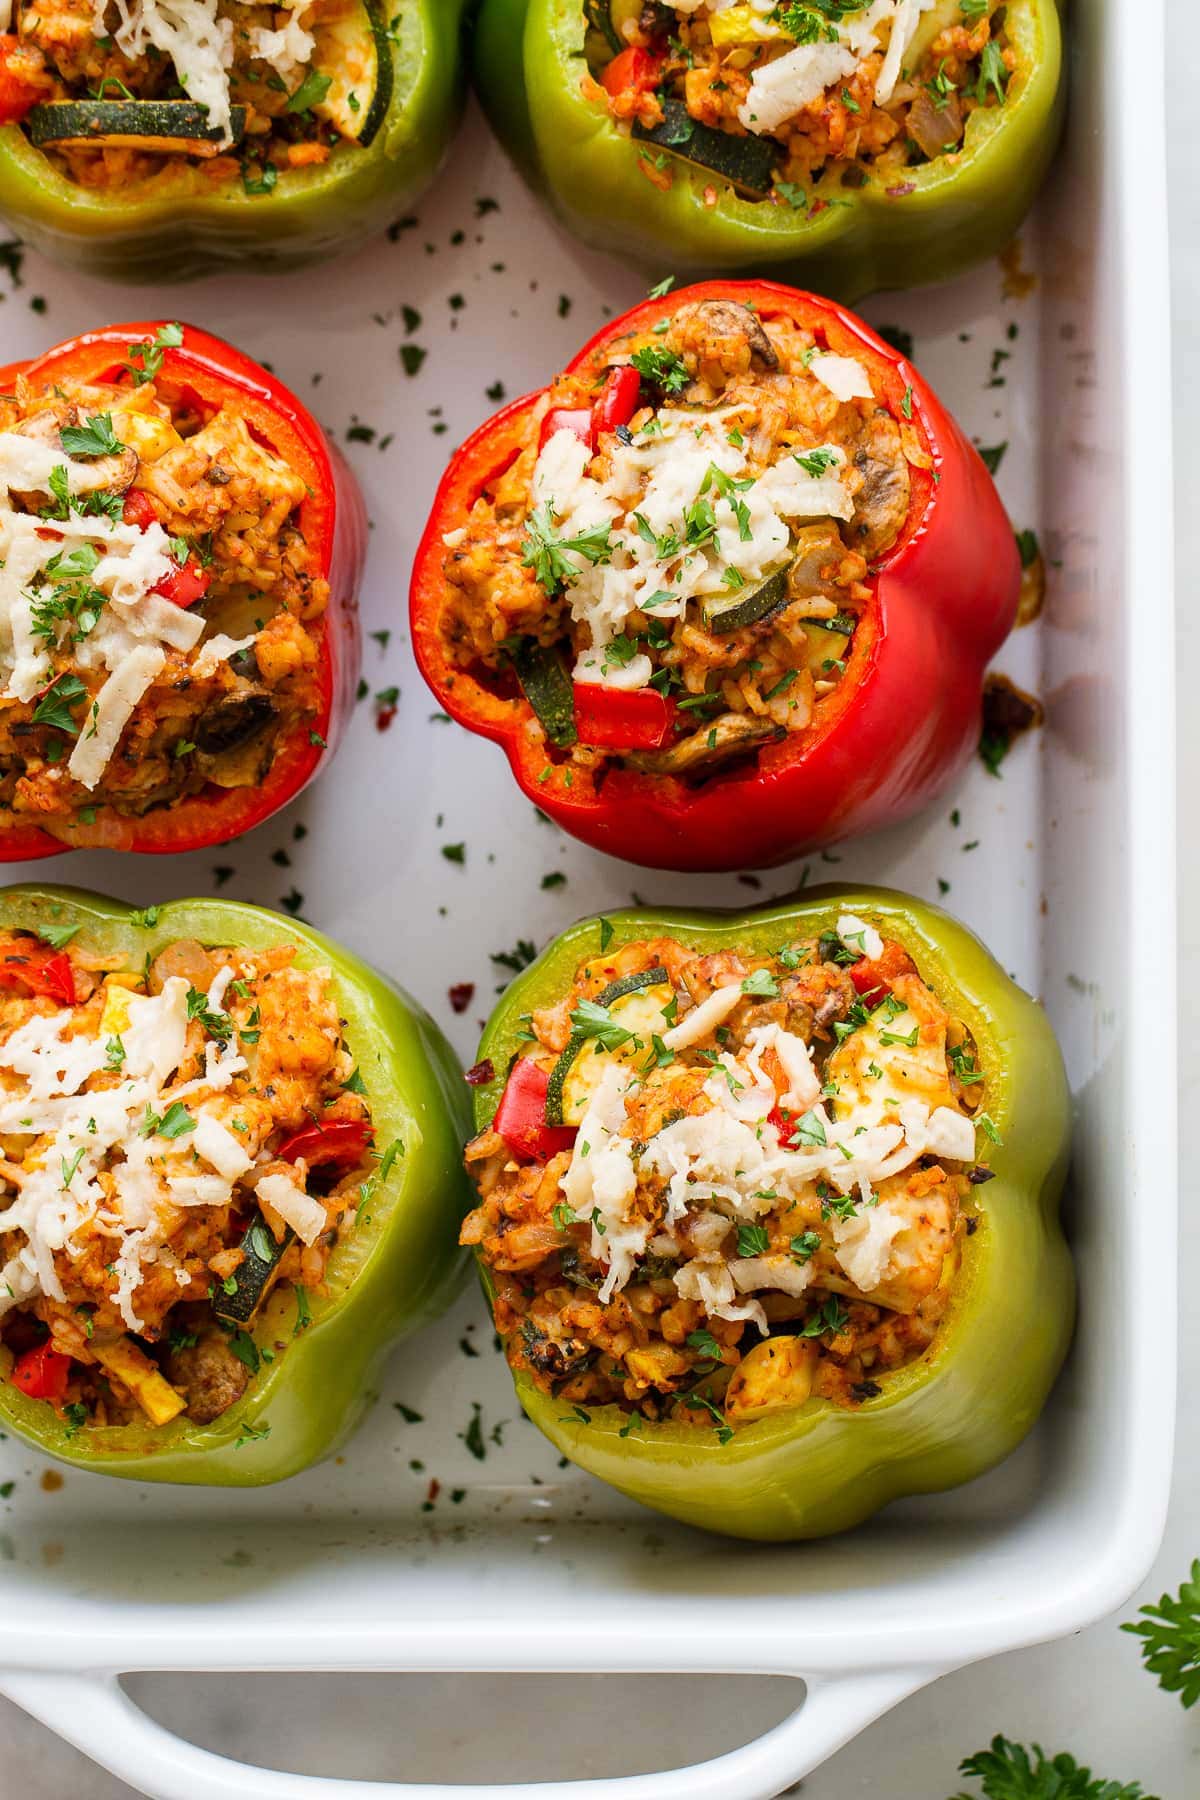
(549, 555)
(1170, 1634)
(1008, 1771)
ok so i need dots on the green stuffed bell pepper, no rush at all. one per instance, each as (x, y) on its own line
(843, 148)
(230, 1182)
(768, 1207)
(287, 147)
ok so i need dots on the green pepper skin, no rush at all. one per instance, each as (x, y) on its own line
(527, 71)
(396, 1271)
(966, 1404)
(311, 214)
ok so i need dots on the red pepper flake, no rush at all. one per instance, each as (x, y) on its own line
(435, 1488)
(903, 187)
(386, 702)
(461, 995)
(481, 1073)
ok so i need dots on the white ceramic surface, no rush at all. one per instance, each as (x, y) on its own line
(341, 1568)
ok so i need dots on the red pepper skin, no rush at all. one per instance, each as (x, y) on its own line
(17, 94)
(568, 418)
(342, 1141)
(50, 976)
(632, 71)
(905, 716)
(619, 399)
(611, 719)
(42, 1374)
(873, 977)
(521, 1115)
(333, 520)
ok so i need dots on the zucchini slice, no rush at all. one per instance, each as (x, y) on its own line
(638, 1004)
(746, 163)
(826, 643)
(547, 687)
(353, 51)
(733, 612)
(163, 127)
(253, 1277)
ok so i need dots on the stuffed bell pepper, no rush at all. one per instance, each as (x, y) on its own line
(768, 1207)
(230, 1181)
(147, 140)
(851, 146)
(180, 552)
(724, 591)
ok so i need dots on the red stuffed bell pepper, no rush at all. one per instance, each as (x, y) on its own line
(726, 590)
(181, 551)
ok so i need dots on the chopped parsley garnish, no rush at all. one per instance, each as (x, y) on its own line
(590, 1020)
(549, 555)
(95, 437)
(54, 707)
(663, 369)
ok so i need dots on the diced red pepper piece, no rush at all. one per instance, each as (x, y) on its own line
(784, 1122)
(873, 977)
(51, 976)
(19, 93)
(567, 418)
(632, 71)
(342, 1141)
(618, 400)
(186, 583)
(521, 1115)
(138, 509)
(619, 719)
(42, 1374)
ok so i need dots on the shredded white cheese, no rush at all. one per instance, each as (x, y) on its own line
(651, 485)
(306, 1216)
(730, 1162)
(844, 376)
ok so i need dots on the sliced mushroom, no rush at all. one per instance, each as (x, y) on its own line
(881, 505)
(113, 473)
(722, 338)
(721, 739)
(232, 722)
(817, 551)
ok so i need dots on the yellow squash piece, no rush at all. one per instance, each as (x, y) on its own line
(776, 1376)
(156, 1397)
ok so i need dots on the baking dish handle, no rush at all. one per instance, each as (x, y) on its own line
(94, 1713)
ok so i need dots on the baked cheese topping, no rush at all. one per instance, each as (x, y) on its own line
(769, 1149)
(135, 523)
(181, 1140)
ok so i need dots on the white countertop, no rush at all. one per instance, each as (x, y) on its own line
(1086, 1695)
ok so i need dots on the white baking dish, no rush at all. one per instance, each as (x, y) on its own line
(1071, 880)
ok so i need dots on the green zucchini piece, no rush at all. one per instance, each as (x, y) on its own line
(825, 644)
(354, 52)
(166, 127)
(746, 163)
(253, 1277)
(638, 1004)
(546, 684)
(749, 606)
(598, 17)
